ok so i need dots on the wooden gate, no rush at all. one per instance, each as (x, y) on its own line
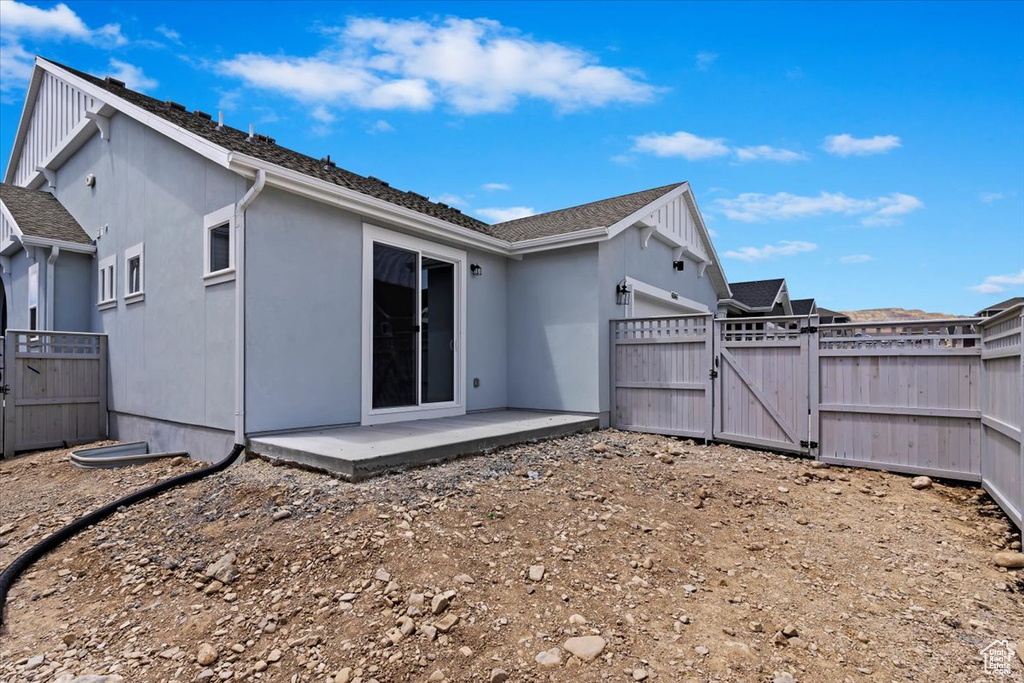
(55, 389)
(765, 379)
(660, 380)
(1002, 411)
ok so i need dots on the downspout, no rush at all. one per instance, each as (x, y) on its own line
(50, 261)
(240, 207)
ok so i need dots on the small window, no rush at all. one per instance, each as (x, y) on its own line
(219, 245)
(33, 318)
(134, 273)
(220, 248)
(33, 296)
(106, 296)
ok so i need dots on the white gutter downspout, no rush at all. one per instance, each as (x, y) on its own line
(51, 260)
(240, 207)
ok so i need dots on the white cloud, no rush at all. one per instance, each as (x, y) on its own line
(694, 148)
(706, 59)
(322, 114)
(856, 258)
(680, 144)
(169, 33)
(510, 213)
(766, 153)
(451, 200)
(770, 251)
(132, 75)
(998, 283)
(22, 22)
(493, 187)
(845, 145)
(753, 207)
(472, 65)
(381, 126)
(990, 197)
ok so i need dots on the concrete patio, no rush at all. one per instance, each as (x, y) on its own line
(359, 452)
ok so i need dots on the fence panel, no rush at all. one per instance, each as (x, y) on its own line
(56, 389)
(660, 375)
(1002, 411)
(902, 396)
(763, 367)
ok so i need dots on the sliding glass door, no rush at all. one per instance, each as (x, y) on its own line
(415, 325)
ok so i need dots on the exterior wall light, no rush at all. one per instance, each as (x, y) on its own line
(475, 269)
(622, 294)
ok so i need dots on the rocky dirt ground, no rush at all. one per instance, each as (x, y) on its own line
(600, 557)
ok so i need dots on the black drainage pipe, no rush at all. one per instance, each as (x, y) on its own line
(25, 560)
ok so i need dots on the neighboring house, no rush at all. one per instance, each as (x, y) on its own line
(246, 288)
(804, 306)
(829, 317)
(998, 308)
(757, 298)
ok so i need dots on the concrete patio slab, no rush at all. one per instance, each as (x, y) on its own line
(359, 452)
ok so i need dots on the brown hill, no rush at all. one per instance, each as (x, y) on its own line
(874, 314)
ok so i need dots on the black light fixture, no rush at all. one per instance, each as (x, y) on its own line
(622, 294)
(475, 269)
(678, 265)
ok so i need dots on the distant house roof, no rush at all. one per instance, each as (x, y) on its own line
(1001, 306)
(827, 316)
(802, 306)
(266, 149)
(757, 293)
(599, 214)
(39, 214)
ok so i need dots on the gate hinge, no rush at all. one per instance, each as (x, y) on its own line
(810, 329)
(5, 388)
(713, 374)
(809, 444)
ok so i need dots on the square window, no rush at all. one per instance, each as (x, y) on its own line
(220, 248)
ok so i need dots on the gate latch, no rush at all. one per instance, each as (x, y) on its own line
(713, 374)
(5, 388)
(810, 329)
(809, 444)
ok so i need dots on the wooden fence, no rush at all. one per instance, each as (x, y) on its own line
(943, 398)
(660, 377)
(1002, 411)
(55, 387)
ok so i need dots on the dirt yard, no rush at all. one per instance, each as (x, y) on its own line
(601, 557)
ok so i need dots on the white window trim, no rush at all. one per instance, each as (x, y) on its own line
(101, 303)
(224, 216)
(130, 253)
(686, 306)
(370, 415)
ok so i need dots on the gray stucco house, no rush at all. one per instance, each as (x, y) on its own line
(247, 289)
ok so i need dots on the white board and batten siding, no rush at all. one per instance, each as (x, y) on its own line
(676, 218)
(659, 375)
(59, 109)
(1002, 411)
(902, 396)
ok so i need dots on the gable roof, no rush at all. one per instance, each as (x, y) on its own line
(600, 214)
(1003, 305)
(757, 293)
(802, 306)
(826, 316)
(266, 149)
(38, 214)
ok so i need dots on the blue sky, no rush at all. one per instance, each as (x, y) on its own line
(872, 153)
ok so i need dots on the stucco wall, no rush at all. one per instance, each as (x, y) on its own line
(553, 330)
(171, 354)
(304, 316)
(73, 287)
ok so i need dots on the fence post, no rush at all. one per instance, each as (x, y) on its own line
(813, 387)
(716, 400)
(709, 382)
(104, 417)
(11, 380)
(612, 393)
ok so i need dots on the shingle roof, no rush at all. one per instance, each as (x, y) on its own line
(599, 214)
(757, 293)
(39, 214)
(1003, 305)
(266, 149)
(801, 306)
